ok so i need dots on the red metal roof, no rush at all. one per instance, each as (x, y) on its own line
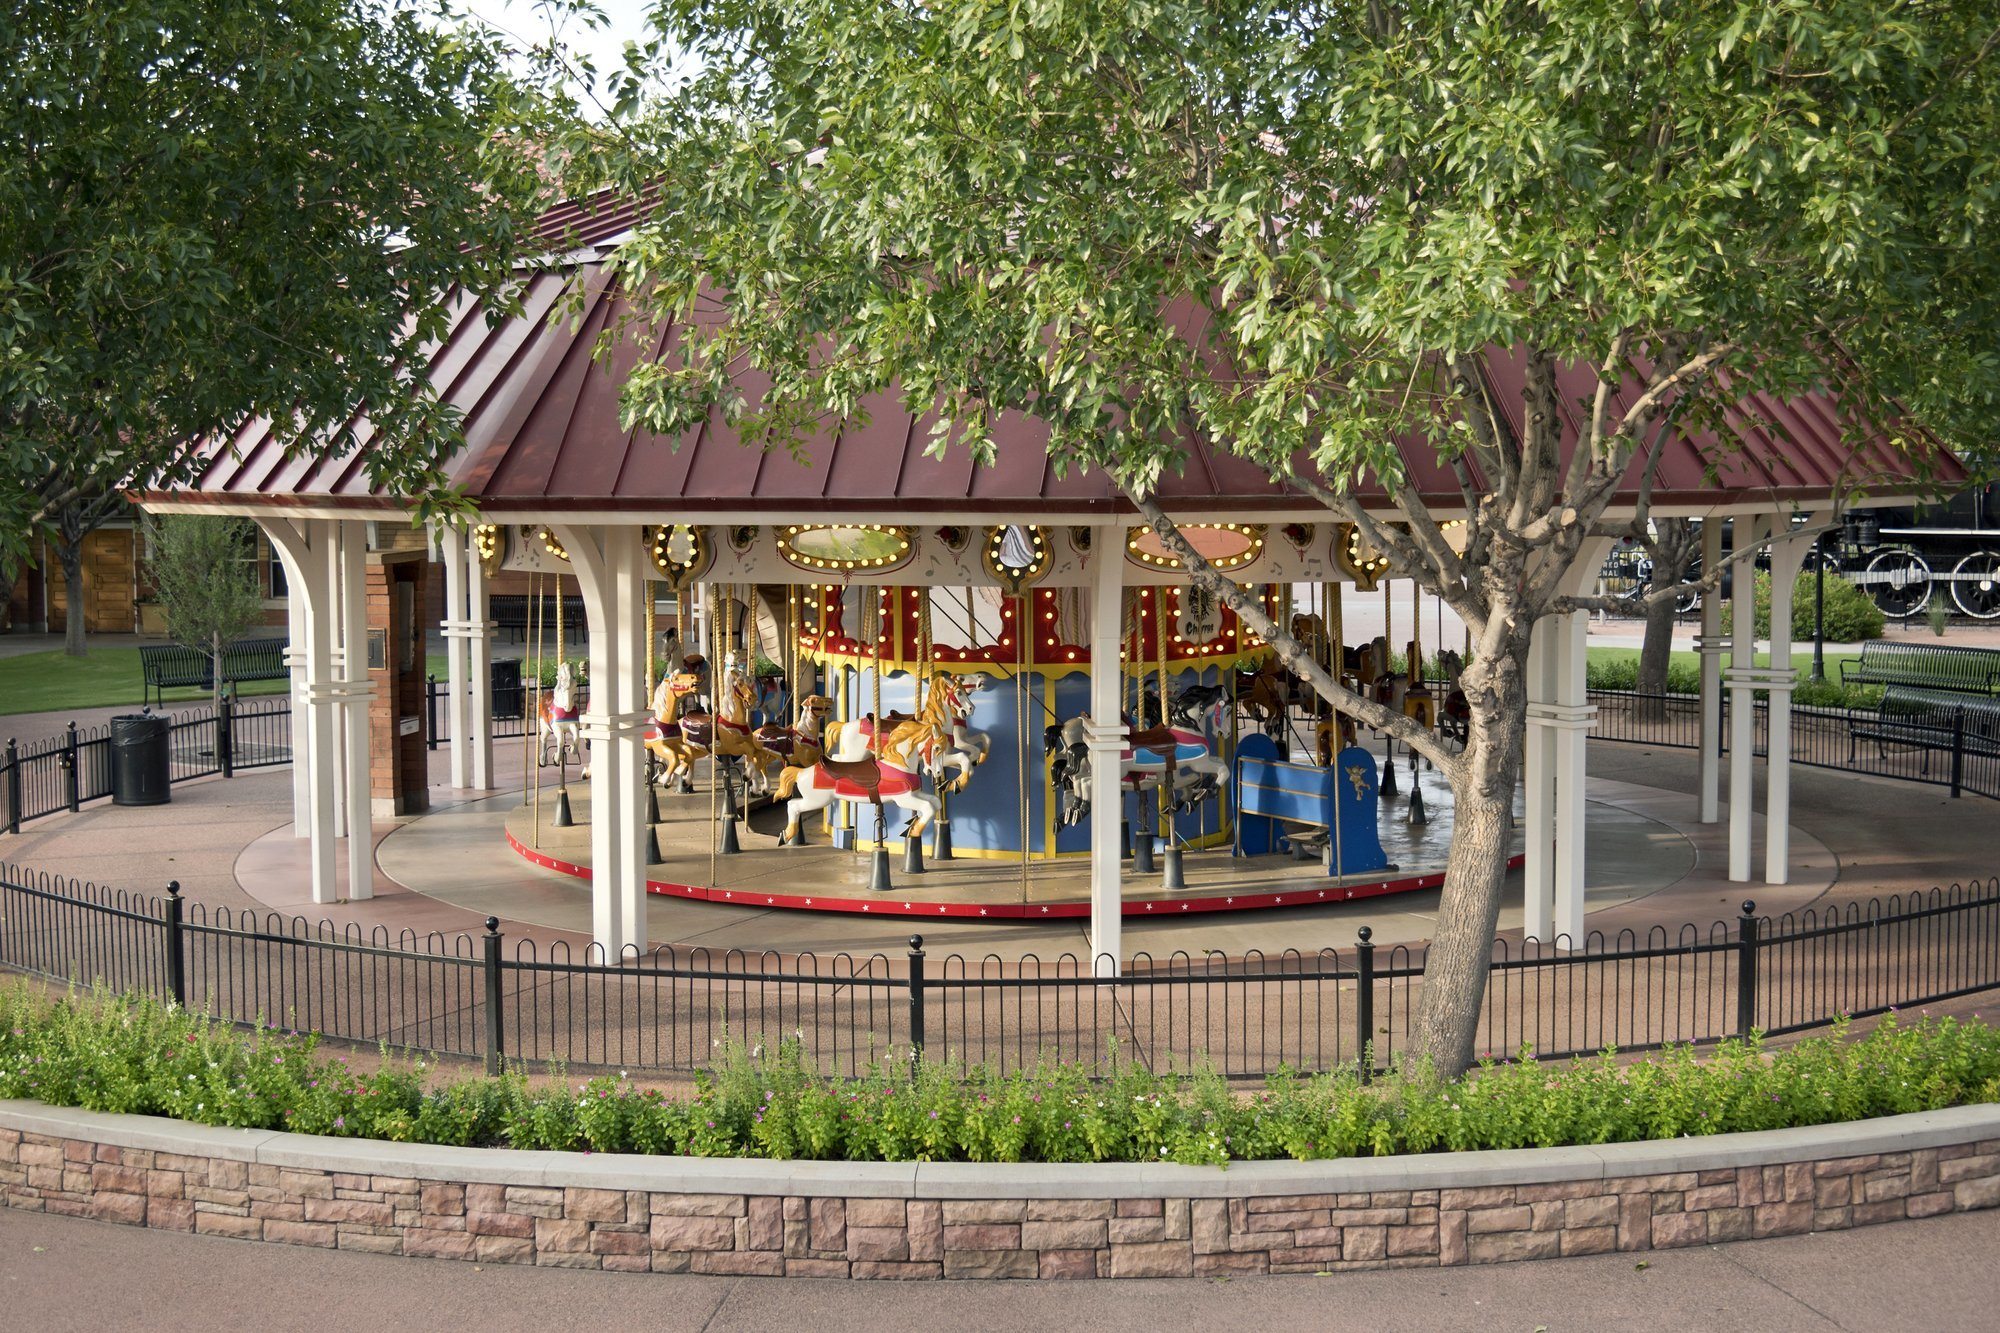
(542, 434)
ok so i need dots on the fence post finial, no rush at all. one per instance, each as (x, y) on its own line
(916, 998)
(1364, 1002)
(172, 950)
(492, 966)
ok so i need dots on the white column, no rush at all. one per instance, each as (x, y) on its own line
(1749, 530)
(1104, 734)
(1569, 728)
(609, 572)
(1539, 765)
(1711, 643)
(1786, 558)
(295, 661)
(451, 550)
(356, 692)
(480, 636)
(312, 564)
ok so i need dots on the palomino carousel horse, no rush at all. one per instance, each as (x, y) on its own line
(733, 737)
(668, 738)
(556, 723)
(1143, 765)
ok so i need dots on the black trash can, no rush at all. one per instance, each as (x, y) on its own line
(505, 683)
(139, 760)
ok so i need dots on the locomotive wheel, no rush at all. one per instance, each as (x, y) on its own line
(1899, 581)
(1686, 603)
(1975, 585)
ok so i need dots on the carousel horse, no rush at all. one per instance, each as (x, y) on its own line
(1455, 713)
(733, 738)
(814, 788)
(1334, 733)
(1143, 764)
(1192, 701)
(800, 744)
(668, 737)
(1266, 695)
(937, 738)
(556, 721)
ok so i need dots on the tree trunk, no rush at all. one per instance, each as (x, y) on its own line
(1658, 647)
(1672, 546)
(1455, 969)
(70, 553)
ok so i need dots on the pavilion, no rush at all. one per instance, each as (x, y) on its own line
(545, 459)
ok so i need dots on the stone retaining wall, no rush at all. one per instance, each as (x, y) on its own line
(875, 1221)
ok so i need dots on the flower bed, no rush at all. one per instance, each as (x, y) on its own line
(929, 1219)
(136, 1056)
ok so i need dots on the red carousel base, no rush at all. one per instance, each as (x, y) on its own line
(1305, 890)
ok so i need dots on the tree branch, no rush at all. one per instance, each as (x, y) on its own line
(1289, 650)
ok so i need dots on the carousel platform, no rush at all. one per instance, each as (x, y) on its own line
(823, 878)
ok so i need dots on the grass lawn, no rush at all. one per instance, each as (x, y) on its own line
(1691, 661)
(50, 682)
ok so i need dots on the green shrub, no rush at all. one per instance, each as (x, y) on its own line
(138, 1056)
(1851, 615)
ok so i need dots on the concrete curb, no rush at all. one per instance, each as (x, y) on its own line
(1038, 1180)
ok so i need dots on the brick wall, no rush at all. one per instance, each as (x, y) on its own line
(641, 1230)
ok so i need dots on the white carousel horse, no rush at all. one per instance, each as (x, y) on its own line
(940, 738)
(1143, 765)
(913, 745)
(557, 720)
(864, 779)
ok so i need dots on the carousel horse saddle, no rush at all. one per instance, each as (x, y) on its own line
(1160, 740)
(864, 779)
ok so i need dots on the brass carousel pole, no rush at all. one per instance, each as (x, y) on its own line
(1172, 876)
(534, 731)
(878, 861)
(733, 632)
(563, 817)
(913, 843)
(1142, 836)
(652, 683)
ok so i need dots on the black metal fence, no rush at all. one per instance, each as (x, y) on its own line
(1954, 751)
(484, 996)
(62, 772)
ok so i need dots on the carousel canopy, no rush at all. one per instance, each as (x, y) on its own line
(543, 439)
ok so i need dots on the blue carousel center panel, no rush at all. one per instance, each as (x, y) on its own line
(1006, 806)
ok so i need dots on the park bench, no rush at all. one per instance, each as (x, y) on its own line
(1925, 666)
(1933, 721)
(170, 666)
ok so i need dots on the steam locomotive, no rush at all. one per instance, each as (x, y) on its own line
(1903, 558)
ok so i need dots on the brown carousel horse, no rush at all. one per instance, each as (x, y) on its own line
(802, 743)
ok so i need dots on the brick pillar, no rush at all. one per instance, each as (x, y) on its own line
(397, 611)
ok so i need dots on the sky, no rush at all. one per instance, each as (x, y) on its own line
(528, 23)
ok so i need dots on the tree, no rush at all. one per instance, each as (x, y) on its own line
(1312, 234)
(203, 569)
(211, 210)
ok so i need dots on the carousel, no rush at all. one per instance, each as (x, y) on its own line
(861, 676)
(877, 718)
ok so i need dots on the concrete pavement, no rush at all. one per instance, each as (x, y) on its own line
(59, 1273)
